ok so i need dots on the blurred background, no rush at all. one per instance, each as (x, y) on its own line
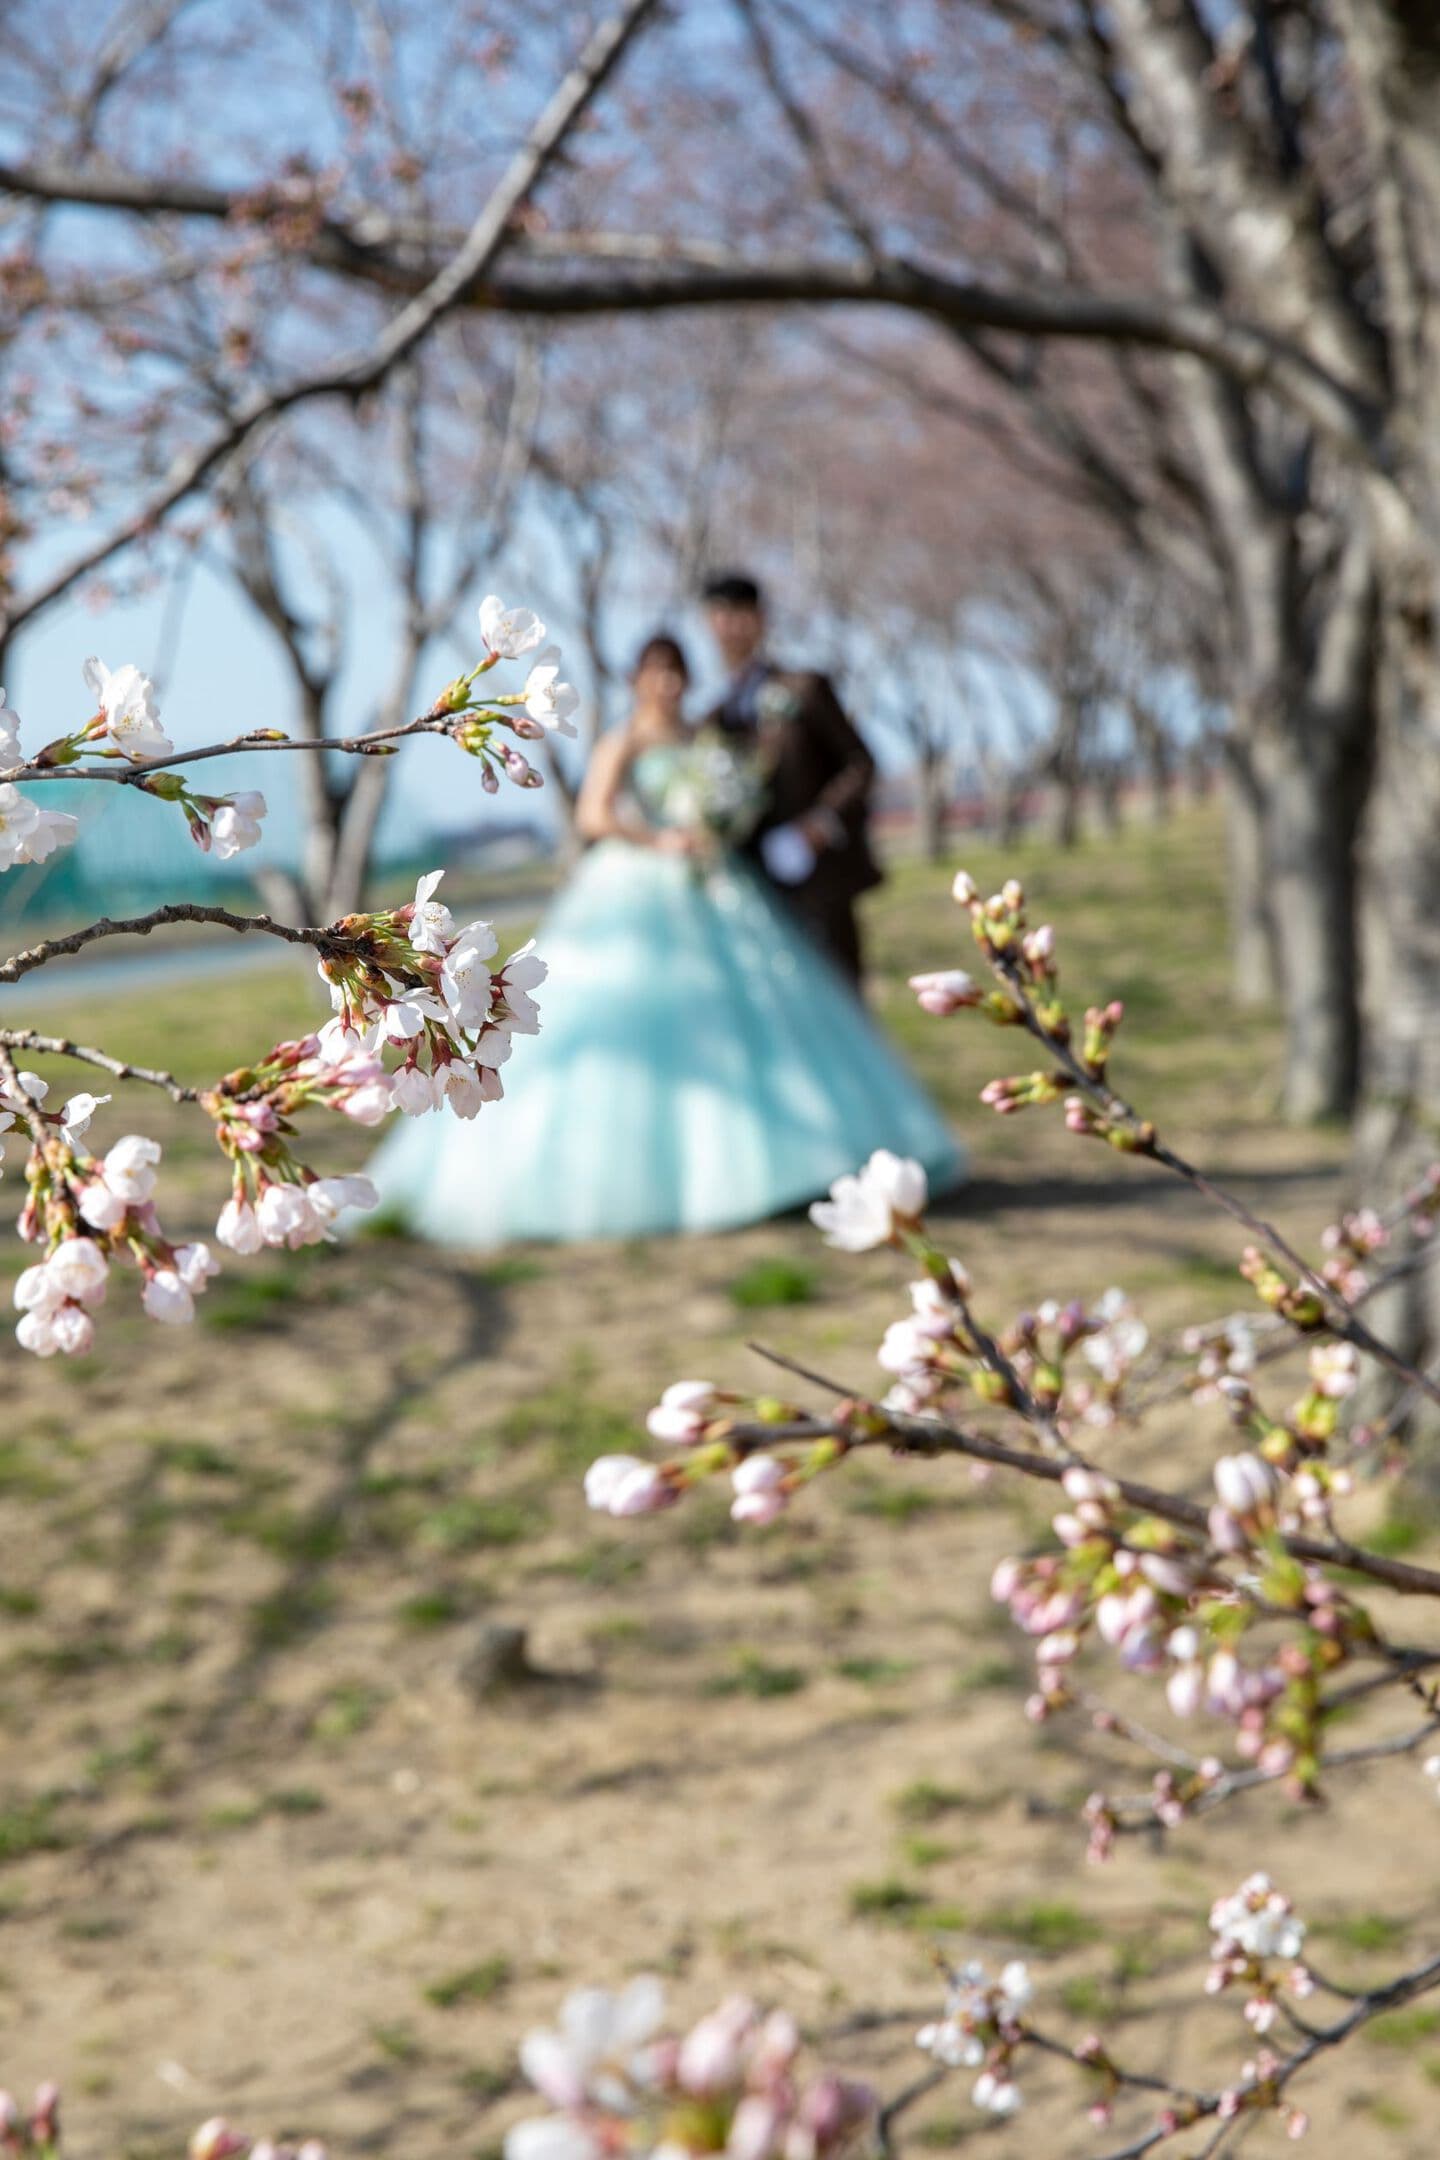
(927, 316)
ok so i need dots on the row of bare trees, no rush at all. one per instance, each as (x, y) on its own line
(1117, 313)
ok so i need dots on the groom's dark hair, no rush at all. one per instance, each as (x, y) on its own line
(732, 588)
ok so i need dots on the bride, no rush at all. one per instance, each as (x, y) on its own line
(700, 1064)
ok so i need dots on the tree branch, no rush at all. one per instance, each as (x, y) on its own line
(328, 941)
(438, 296)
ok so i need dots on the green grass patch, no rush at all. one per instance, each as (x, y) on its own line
(349, 1709)
(926, 1801)
(889, 1899)
(754, 1675)
(1403, 2028)
(875, 1671)
(774, 1281)
(1048, 1926)
(1365, 1931)
(28, 1825)
(474, 1983)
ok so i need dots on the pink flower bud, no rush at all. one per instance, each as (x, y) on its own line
(964, 889)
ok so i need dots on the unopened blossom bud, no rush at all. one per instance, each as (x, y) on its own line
(1168, 1573)
(237, 1226)
(710, 2055)
(215, 2140)
(625, 1485)
(100, 1207)
(167, 1299)
(45, 2113)
(964, 889)
(945, 991)
(1244, 1483)
(1081, 1483)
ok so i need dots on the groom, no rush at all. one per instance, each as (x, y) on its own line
(811, 840)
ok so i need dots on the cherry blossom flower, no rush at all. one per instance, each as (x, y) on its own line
(330, 1196)
(432, 926)
(865, 1211)
(30, 833)
(75, 1117)
(547, 699)
(12, 757)
(465, 979)
(286, 1216)
(235, 824)
(523, 972)
(132, 719)
(509, 633)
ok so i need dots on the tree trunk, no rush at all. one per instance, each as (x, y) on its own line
(1311, 807)
(1254, 961)
(932, 804)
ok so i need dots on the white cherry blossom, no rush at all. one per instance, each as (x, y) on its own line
(465, 978)
(77, 1113)
(330, 1196)
(432, 926)
(29, 833)
(235, 825)
(12, 757)
(132, 718)
(523, 972)
(287, 1217)
(509, 633)
(547, 699)
(863, 1211)
(129, 1168)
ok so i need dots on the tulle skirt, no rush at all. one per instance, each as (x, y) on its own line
(700, 1065)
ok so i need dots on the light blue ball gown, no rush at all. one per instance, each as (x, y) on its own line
(699, 1065)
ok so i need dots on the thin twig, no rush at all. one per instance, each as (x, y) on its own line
(1342, 1319)
(118, 1068)
(327, 941)
(935, 1436)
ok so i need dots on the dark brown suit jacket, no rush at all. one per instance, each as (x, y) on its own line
(815, 760)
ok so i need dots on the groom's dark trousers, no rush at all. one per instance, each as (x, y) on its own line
(816, 763)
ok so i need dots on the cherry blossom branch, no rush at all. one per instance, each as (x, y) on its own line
(1418, 1981)
(931, 1435)
(1143, 1139)
(130, 775)
(1241, 1780)
(329, 943)
(118, 1068)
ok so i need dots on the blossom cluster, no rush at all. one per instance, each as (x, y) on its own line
(982, 2025)
(126, 727)
(1257, 1942)
(34, 2134)
(620, 2083)
(91, 1213)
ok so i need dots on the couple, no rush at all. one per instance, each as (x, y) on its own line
(704, 1059)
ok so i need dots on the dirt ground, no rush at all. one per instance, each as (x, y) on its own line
(268, 1848)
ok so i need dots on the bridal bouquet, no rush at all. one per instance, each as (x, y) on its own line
(717, 786)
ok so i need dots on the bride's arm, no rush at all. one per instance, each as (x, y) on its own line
(600, 808)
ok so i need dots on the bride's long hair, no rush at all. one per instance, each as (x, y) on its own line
(662, 653)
